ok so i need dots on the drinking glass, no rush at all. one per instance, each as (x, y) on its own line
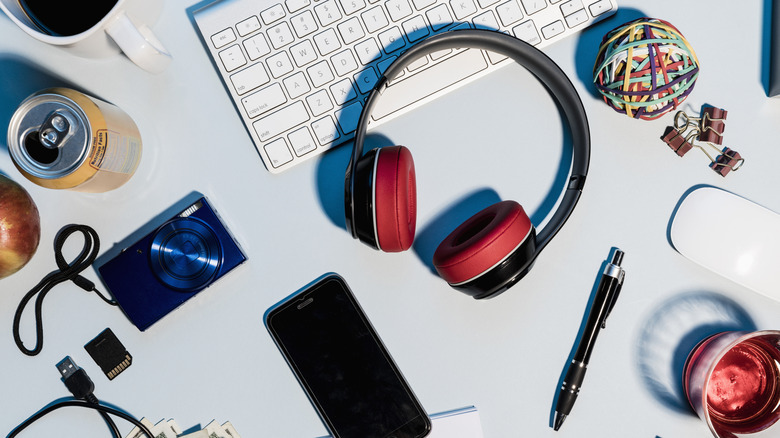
(732, 381)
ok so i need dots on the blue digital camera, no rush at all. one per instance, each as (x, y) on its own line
(170, 265)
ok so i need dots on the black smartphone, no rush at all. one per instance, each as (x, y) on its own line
(343, 366)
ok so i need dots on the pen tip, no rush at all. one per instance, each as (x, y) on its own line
(559, 421)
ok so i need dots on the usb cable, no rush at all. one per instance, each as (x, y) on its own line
(81, 386)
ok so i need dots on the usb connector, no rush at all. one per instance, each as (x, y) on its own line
(76, 379)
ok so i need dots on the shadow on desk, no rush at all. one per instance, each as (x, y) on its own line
(589, 41)
(670, 333)
(22, 78)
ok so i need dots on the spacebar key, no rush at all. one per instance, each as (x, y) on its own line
(280, 121)
(427, 82)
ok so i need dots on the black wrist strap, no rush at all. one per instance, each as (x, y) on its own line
(67, 271)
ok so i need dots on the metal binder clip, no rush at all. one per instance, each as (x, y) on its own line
(680, 144)
(727, 161)
(710, 125)
(724, 161)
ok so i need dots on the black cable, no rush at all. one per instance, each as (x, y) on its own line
(67, 271)
(82, 387)
(62, 404)
(110, 421)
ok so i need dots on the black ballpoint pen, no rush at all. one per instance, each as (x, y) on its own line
(606, 296)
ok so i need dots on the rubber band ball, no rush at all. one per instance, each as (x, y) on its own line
(645, 68)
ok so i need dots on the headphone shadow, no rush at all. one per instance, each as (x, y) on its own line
(589, 42)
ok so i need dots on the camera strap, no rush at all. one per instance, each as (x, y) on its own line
(67, 271)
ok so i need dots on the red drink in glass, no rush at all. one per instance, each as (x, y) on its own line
(733, 382)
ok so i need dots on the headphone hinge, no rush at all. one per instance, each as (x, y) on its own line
(576, 182)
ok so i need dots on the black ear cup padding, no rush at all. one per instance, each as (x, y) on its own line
(364, 199)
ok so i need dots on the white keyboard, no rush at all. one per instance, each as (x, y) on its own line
(298, 71)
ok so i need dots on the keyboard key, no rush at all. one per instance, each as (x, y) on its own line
(232, 57)
(439, 17)
(248, 26)
(600, 7)
(296, 5)
(415, 28)
(264, 100)
(429, 81)
(367, 51)
(319, 103)
(278, 153)
(327, 42)
(577, 18)
(327, 12)
(463, 8)
(365, 80)
(280, 35)
(344, 62)
(352, 6)
(383, 64)
(486, 20)
(484, 4)
(351, 30)
(223, 38)
(553, 29)
(398, 9)
(301, 141)
(303, 53)
(325, 130)
(343, 91)
(509, 12)
(256, 47)
(392, 39)
(279, 64)
(296, 85)
(418, 63)
(374, 19)
(320, 74)
(249, 78)
(272, 14)
(526, 31)
(281, 121)
(533, 6)
(440, 54)
(422, 4)
(304, 24)
(348, 117)
(571, 7)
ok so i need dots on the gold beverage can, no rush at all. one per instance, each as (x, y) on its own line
(63, 139)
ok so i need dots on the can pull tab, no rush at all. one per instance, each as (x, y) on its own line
(54, 130)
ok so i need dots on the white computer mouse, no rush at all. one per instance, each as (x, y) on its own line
(731, 236)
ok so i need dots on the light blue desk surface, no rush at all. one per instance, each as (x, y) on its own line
(499, 138)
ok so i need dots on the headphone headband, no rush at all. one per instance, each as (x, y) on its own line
(528, 56)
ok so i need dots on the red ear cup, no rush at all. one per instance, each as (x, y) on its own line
(395, 199)
(483, 241)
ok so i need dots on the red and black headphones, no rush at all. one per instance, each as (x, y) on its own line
(496, 247)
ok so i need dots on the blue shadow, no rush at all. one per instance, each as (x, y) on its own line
(672, 330)
(589, 42)
(21, 78)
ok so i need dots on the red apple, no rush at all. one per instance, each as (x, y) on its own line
(20, 227)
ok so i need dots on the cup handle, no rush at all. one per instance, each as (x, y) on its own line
(139, 44)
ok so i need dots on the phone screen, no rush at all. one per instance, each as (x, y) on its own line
(343, 365)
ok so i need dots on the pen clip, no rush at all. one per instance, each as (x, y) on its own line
(614, 297)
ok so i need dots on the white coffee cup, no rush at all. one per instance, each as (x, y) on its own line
(123, 29)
